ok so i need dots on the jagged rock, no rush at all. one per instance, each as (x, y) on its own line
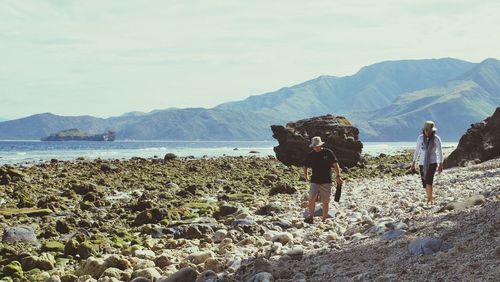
(481, 142)
(44, 262)
(337, 132)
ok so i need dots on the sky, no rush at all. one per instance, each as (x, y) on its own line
(105, 58)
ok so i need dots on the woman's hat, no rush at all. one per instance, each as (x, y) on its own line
(429, 126)
(316, 142)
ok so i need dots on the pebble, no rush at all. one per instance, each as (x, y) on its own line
(219, 235)
(283, 238)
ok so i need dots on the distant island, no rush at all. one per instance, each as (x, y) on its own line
(76, 134)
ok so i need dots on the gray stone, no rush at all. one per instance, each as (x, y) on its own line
(24, 234)
(299, 277)
(393, 234)
(296, 252)
(186, 274)
(428, 246)
(207, 276)
(318, 211)
(141, 279)
(466, 203)
(285, 224)
(261, 277)
(366, 276)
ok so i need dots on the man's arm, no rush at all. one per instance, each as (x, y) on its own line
(337, 169)
(306, 173)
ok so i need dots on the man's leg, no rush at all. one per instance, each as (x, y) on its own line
(313, 197)
(312, 208)
(325, 211)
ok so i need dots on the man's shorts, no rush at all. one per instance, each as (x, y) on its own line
(429, 178)
(321, 192)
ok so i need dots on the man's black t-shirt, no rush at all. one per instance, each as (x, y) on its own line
(321, 163)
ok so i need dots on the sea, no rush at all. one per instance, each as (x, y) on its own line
(32, 152)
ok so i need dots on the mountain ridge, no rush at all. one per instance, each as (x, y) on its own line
(388, 101)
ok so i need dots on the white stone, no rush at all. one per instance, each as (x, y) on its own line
(284, 238)
(219, 235)
(200, 257)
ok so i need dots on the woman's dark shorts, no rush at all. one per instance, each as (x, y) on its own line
(430, 174)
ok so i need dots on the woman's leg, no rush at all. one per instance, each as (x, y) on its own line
(428, 189)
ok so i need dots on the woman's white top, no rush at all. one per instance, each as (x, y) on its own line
(436, 157)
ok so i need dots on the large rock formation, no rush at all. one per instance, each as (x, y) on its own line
(337, 132)
(480, 142)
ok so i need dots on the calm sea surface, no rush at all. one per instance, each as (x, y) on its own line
(35, 151)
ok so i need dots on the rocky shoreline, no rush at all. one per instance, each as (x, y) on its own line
(239, 219)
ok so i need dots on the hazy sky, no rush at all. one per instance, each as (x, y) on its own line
(105, 58)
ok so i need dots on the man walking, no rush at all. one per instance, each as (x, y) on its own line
(321, 160)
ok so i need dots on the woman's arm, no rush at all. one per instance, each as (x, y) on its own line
(417, 152)
(439, 154)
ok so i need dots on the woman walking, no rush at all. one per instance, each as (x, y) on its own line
(430, 153)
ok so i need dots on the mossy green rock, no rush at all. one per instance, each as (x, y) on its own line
(53, 246)
(36, 275)
(86, 250)
(13, 270)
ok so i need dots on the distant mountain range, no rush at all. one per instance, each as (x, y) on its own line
(387, 101)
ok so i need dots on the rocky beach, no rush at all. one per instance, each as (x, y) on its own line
(241, 219)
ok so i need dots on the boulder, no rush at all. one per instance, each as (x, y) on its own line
(465, 203)
(169, 157)
(186, 274)
(261, 277)
(44, 262)
(428, 246)
(318, 211)
(93, 267)
(149, 273)
(338, 133)
(480, 142)
(24, 234)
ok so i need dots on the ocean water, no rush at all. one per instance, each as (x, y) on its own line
(15, 152)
